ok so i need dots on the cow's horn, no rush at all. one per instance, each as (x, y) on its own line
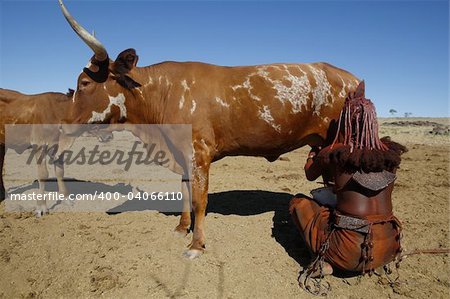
(93, 43)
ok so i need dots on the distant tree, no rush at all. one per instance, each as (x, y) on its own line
(408, 114)
(392, 111)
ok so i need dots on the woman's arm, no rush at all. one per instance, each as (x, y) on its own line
(313, 169)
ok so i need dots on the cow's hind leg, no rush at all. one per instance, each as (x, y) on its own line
(199, 202)
(185, 219)
(42, 171)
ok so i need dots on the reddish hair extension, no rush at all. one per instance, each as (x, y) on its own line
(363, 150)
(359, 120)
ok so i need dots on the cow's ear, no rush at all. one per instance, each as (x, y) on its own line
(125, 61)
(126, 81)
(70, 93)
(360, 90)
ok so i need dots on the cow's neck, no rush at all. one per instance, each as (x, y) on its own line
(150, 99)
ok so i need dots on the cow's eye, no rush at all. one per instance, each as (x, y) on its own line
(84, 83)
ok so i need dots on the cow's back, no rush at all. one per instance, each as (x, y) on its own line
(263, 110)
(39, 109)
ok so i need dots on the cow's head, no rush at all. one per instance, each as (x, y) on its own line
(103, 85)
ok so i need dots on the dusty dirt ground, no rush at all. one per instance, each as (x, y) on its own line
(253, 248)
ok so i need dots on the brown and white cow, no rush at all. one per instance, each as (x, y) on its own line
(49, 108)
(45, 108)
(263, 110)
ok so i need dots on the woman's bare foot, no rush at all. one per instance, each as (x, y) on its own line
(326, 270)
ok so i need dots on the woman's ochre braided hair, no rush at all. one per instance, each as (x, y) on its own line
(359, 120)
(360, 148)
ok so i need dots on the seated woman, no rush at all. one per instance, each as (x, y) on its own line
(360, 233)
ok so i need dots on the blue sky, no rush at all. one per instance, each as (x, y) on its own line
(401, 48)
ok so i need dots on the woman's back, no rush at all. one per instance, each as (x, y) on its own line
(356, 200)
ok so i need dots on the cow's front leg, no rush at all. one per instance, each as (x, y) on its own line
(185, 219)
(199, 202)
(2, 186)
(42, 172)
(59, 173)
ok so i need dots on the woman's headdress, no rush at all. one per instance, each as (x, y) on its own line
(358, 121)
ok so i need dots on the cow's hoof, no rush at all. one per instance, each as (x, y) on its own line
(192, 253)
(181, 231)
(40, 213)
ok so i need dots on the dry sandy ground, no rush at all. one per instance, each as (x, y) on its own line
(253, 249)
